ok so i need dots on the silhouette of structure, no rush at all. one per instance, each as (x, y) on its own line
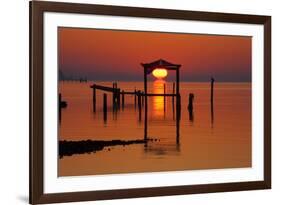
(190, 106)
(212, 89)
(114, 90)
(148, 68)
(116, 96)
(140, 97)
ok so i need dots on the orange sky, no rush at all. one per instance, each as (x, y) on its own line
(107, 55)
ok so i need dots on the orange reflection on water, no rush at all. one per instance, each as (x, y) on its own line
(158, 101)
(225, 143)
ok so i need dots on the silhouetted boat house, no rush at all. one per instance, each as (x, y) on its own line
(162, 64)
(148, 68)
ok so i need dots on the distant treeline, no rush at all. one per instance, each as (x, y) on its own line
(63, 77)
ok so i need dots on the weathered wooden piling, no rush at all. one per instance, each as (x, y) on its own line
(178, 82)
(139, 104)
(190, 102)
(145, 102)
(178, 107)
(105, 107)
(135, 98)
(178, 118)
(212, 114)
(145, 116)
(123, 99)
(173, 98)
(190, 106)
(139, 99)
(142, 98)
(118, 98)
(94, 98)
(212, 90)
(113, 94)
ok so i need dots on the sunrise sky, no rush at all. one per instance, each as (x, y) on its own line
(107, 55)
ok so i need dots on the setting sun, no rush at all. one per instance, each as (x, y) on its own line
(160, 73)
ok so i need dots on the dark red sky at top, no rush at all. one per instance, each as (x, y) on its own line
(106, 55)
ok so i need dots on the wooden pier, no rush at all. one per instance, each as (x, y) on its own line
(141, 96)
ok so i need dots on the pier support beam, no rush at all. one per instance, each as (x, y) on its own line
(178, 104)
(145, 103)
(173, 98)
(123, 99)
(114, 94)
(105, 108)
(94, 99)
(139, 104)
(190, 106)
(212, 90)
(118, 98)
(135, 98)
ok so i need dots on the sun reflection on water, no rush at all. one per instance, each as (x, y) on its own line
(158, 101)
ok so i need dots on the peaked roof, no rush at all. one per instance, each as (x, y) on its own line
(161, 63)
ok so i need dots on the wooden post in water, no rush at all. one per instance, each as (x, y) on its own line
(190, 106)
(139, 104)
(139, 98)
(145, 81)
(142, 99)
(113, 95)
(190, 102)
(104, 107)
(173, 98)
(173, 101)
(212, 90)
(123, 99)
(118, 98)
(145, 104)
(178, 105)
(135, 98)
(94, 98)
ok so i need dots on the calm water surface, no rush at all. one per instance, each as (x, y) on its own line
(205, 142)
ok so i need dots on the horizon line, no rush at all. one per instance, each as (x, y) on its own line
(159, 79)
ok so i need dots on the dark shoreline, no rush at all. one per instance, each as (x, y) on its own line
(69, 148)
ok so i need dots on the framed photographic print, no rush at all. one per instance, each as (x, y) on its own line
(139, 102)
